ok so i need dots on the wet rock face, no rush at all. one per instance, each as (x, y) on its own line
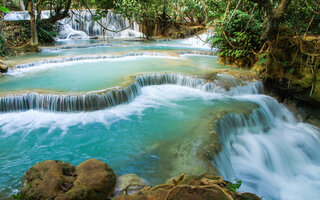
(48, 179)
(51, 179)
(3, 66)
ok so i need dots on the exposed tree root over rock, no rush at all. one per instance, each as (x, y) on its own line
(204, 187)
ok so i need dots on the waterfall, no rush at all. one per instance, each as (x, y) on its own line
(201, 41)
(111, 97)
(83, 21)
(108, 56)
(23, 15)
(274, 155)
(80, 24)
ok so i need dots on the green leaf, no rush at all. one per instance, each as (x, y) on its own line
(5, 10)
(291, 70)
(263, 60)
(216, 40)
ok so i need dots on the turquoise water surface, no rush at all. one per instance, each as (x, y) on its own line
(126, 137)
(158, 134)
(90, 75)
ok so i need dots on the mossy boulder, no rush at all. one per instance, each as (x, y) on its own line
(78, 193)
(48, 179)
(96, 175)
(305, 81)
(58, 180)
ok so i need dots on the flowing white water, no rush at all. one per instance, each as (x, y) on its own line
(274, 155)
(115, 96)
(83, 21)
(23, 15)
(201, 41)
(151, 97)
(88, 58)
(80, 24)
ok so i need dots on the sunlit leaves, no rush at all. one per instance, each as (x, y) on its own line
(5, 10)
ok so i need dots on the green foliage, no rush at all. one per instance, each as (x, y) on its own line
(263, 59)
(238, 37)
(299, 15)
(3, 48)
(5, 10)
(233, 187)
(18, 196)
(46, 32)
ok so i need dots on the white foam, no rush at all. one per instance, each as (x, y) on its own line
(151, 97)
(42, 65)
(200, 41)
(272, 154)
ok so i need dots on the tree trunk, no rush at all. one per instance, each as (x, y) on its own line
(21, 5)
(34, 34)
(273, 17)
(3, 5)
(58, 16)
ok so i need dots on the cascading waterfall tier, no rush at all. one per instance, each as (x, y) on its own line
(87, 57)
(52, 49)
(83, 21)
(111, 97)
(80, 24)
(273, 154)
(109, 56)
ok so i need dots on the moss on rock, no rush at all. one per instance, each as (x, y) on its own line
(58, 180)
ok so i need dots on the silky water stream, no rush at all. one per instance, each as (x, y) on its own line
(145, 109)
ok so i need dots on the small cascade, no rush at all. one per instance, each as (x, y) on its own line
(52, 49)
(273, 154)
(83, 21)
(108, 98)
(201, 41)
(89, 57)
(106, 56)
(23, 15)
(67, 32)
(80, 24)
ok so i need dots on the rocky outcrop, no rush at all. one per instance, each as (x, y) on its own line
(3, 66)
(95, 180)
(51, 179)
(204, 187)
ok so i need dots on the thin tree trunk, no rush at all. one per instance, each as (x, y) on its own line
(273, 17)
(3, 5)
(34, 34)
(21, 5)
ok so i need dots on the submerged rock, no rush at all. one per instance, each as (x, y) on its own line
(130, 184)
(51, 179)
